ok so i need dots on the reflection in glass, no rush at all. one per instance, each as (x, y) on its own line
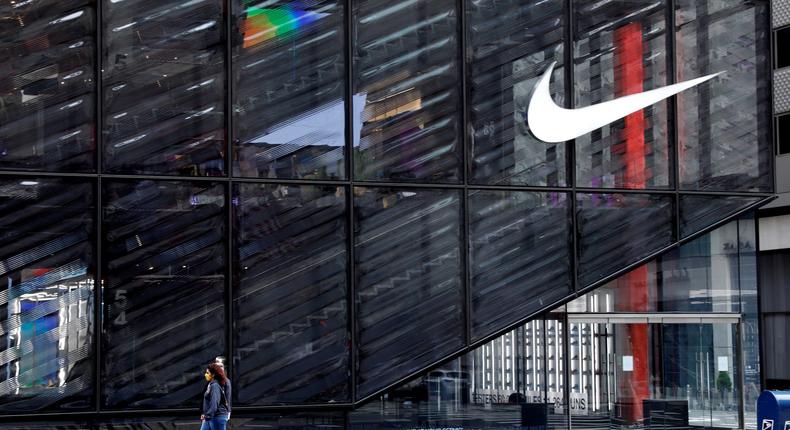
(620, 49)
(164, 265)
(285, 421)
(406, 74)
(290, 299)
(48, 425)
(46, 299)
(512, 43)
(150, 423)
(164, 87)
(698, 212)
(409, 290)
(750, 328)
(520, 255)
(724, 125)
(47, 85)
(498, 385)
(288, 107)
(618, 229)
(707, 266)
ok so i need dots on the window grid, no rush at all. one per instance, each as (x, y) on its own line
(349, 183)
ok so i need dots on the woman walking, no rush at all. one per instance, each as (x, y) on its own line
(215, 403)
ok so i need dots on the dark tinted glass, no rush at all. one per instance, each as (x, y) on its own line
(46, 298)
(408, 281)
(149, 423)
(620, 49)
(512, 43)
(520, 255)
(783, 134)
(46, 85)
(164, 87)
(619, 229)
(164, 265)
(407, 108)
(698, 212)
(724, 124)
(782, 47)
(288, 102)
(290, 296)
(48, 425)
(301, 421)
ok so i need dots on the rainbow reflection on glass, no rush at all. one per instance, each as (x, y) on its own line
(262, 25)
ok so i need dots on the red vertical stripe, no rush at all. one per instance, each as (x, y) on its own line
(633, 386)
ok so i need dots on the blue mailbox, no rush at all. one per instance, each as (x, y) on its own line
(773, 410)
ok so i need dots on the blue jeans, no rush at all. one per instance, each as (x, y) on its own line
(218, 422)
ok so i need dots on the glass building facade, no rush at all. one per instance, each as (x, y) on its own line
(343, 197)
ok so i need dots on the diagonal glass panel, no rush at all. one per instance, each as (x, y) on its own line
(520, 244)
(164, 87)
(512, 43)
(699, 212)
(620, 49)
(46, 298)
(289, 108)
(290, 300)
(409, 288)
(406, 77)
(616, 230)
(164, 266)
(45, 425)
(724, 125)
(47, 85)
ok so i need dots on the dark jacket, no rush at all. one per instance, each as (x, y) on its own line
(228, 394)
(214, 402)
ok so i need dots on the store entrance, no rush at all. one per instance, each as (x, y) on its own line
(654, 371)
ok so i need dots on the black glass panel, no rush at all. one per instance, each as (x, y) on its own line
(616, 230)
(520, 255)
(724, 124)
(407, 102)
(783, 134)
(164, 265)
(782, 45)
(164, 87)
(46, 298)
(408, 281)
(45, 425)
(512, 43)
(288, 102)
(290, 296)
(47, 85)
(150, 423)
(699, 212)
(620, 49)
(300, 421)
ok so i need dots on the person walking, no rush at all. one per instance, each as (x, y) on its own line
(220, 360)
(215, 404)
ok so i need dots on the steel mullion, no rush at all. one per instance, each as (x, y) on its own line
(466, 248)
(99, 145)
(673, 133)
(570, 146)
(348, 186)
(229, 231)
(381, 184)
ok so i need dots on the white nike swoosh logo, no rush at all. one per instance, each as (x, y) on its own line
(551, 123)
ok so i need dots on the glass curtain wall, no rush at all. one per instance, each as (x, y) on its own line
(337, 195)
(663, 346)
